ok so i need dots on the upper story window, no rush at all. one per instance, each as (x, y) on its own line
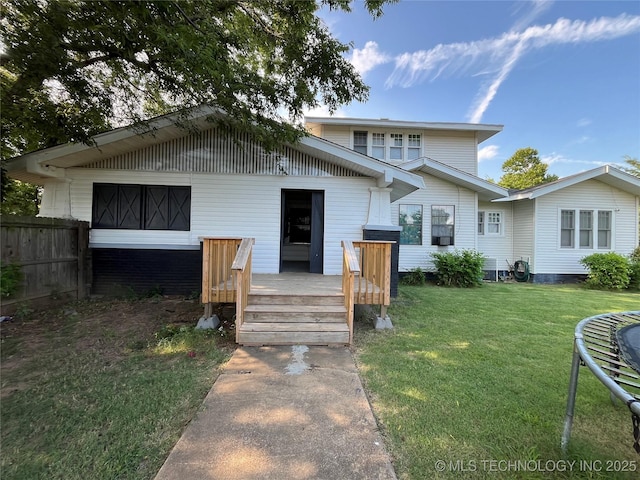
(377, 146)
(414, 147)
(360, 142)
(394, 147)
(586, 228)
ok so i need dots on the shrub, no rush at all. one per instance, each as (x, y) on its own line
(634, 272)
(607, 271)
(10, 278)
(414, 277)
(461, 268)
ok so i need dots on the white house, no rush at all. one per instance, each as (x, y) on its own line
(551, 226)
(150, 199)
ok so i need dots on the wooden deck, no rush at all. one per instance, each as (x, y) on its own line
(294, 308)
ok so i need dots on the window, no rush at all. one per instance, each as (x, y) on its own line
(442, 224)
(586, 229)
(395, 149)
(141, 207)
(377, 145)
(414, 146)
(567, 228)
(604, 229)
(489, 223)
(594, 227)
(360, 142)
(411, 223)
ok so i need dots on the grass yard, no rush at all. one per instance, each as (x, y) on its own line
(472, 379)
(102, 390)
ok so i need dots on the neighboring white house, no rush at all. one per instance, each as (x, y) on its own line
(551, 226)
(150, 198)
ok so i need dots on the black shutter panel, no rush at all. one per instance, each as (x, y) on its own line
(129, 206)
(179, 208)
(105, 206)
(156, 208)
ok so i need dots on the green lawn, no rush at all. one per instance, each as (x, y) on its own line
(478, 379)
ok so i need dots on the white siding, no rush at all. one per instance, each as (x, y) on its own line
(337, 134)
(235, 205)
(500, 246)
(437, 192)
(592, 194)
(458, 150)
(524, 233)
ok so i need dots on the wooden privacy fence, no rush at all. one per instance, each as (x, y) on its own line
(53, 256)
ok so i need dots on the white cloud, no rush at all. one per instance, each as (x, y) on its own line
(557, 158)
(323, 111)
(488, 152)
(501, 54)
(584, 122)
(368, 58)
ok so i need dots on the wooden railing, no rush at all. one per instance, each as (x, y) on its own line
(242, 268)
(350, 269)
(226, 273)
(366, 276)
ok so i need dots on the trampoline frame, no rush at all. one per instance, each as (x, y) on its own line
(589, 341)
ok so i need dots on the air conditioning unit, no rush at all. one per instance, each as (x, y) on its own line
(444, 241)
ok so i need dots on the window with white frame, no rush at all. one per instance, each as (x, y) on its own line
(604, 229)
(588, 229)
(395, 147)
(414, 146)
(360, 142)
(490, 223)
(377, 146)
(567, 228)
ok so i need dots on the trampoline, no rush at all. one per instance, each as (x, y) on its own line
(609, 345)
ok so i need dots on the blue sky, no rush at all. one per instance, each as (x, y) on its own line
(563, 77)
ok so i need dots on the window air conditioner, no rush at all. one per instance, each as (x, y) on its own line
(444, 241)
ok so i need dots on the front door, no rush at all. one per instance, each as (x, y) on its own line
(302, 231)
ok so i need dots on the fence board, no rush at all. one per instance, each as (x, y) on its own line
(53, 255)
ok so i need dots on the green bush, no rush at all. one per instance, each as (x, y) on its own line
(634, 272)
(414, 277)
(461, 268)
(607, 271)
(10, 278)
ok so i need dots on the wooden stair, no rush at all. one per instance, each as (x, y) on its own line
(291, 319)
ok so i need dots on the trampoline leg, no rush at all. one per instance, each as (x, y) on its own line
(571, 400)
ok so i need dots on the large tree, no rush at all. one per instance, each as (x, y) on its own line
(634, 165)
(71, 69)
(524, 170)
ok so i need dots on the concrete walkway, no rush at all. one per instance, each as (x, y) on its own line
(283, 413)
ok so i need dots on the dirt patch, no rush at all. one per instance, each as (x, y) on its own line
(108, 328)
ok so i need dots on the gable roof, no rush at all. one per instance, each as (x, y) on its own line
(50, 162)
(485, 189)
(482, 131)
(607, 174)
